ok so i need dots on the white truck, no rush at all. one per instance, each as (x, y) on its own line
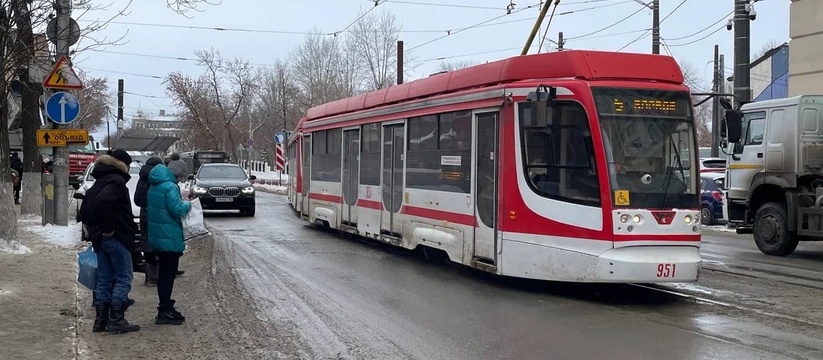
(774, 172)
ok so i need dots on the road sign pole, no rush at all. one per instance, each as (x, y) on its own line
(61, 154)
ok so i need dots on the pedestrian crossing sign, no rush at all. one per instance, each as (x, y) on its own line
(62, 76)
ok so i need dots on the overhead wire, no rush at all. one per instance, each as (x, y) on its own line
(609, 26)
(442, 5)
(703, 29)
(650, 30)
(125, 73)
(697, 40)
(376, 4)
(450, 33)
(540, 47)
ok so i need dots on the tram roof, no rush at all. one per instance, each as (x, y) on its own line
(579, 64)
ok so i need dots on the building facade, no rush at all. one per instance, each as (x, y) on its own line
(806, 55)
(769, 74)
(159, 125)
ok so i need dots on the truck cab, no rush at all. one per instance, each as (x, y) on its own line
(774, 173)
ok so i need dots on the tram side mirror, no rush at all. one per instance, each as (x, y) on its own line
(540, 103)
(734, 122)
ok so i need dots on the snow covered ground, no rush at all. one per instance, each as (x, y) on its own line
(281, 190)
(64, 236)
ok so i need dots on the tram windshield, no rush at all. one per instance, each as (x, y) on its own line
(648, 136)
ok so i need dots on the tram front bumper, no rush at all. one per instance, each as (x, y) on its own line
(649, 264)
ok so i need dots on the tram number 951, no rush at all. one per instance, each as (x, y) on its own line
(665, 270)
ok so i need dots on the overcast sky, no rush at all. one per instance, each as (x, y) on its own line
(149, 44)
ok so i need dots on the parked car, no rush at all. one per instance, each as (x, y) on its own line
(86, 181)
(224, 186)
(711, 198)
(711, 165)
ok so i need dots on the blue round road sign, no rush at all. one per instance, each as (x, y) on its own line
(280, 137)
(62, 107)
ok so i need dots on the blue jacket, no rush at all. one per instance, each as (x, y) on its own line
(166, 208)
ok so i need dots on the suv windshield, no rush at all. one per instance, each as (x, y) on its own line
(221, 172)
(649, 141)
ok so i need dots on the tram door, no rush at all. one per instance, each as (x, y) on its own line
(351, 175)
(485, 234)
(392, 184)
(305, 154)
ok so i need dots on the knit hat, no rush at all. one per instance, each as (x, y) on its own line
(154, 160)
(120, 155)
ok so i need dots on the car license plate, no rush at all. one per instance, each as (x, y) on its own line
(223, 199)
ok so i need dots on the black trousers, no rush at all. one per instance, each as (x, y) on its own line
(167, 271)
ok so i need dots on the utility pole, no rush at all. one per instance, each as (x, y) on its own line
(656, 27)
(61, 153)
(400, 62)
(716, 88)
(120, 92)
(560, 41)
(742, 43)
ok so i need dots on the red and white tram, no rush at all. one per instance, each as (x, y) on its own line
(569, 166)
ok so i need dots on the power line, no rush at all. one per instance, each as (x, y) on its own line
(212, 28)
(376, 4)
(444, 5)
(472, 54)
(704, 29)
(698, 40)
(146, 96)
(125, 73)
(179, 58)
(449, 33)
(672, 12)
(643, 35)
(609, 26)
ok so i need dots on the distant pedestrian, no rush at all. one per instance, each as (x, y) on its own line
(178, 168)
(106, 213)
(141, 200)
(166, 208)
(17, 165)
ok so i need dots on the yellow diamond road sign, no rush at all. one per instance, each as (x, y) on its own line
(54, 138)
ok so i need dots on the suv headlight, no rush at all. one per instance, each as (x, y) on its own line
(248, 190)
(199, 190)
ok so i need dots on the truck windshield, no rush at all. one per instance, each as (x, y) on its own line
(649, 142)
(83, 149)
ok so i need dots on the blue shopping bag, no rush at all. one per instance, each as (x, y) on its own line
(87, 264)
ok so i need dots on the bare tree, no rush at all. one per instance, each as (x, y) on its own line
(702, 113)
(454, 65)
(374, 40)
(323, 70)
(211, 103)
(94, 99)
(767, 46)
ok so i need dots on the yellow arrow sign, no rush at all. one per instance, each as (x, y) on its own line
(54, 138)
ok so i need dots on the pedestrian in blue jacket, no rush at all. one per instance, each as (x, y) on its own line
(166, 209)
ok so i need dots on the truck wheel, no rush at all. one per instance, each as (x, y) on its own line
(771, 230)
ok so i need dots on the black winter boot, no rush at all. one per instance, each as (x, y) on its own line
(117, 321)
(151, 275)
(168, 315)
(101, 319)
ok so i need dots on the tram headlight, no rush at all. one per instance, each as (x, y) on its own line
(624, 218)
(637, 219)
(688, 219)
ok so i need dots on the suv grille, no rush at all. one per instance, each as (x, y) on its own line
(229, 191)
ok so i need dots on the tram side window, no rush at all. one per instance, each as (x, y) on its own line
(370, 155)
(559, 158)
(326, 150)
(439, 155)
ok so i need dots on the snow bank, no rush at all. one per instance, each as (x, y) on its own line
(719, 228)
(17, 249)
(66, 236)
(280, 190)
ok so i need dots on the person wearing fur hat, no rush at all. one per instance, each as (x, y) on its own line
(106, 213)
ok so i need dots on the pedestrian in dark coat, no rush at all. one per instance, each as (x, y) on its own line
(17, 165)
(107, 214)
(166, 211)
(140, 199)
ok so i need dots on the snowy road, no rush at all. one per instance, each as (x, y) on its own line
(327, 296)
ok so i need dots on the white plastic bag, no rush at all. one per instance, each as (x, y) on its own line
(193, 224)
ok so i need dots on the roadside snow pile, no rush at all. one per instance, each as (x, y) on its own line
(66, 236)
(280, 190)
(13, 247)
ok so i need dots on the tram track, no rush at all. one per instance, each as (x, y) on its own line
(706, 300)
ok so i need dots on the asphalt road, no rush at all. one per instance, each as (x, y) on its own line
(339, 297)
